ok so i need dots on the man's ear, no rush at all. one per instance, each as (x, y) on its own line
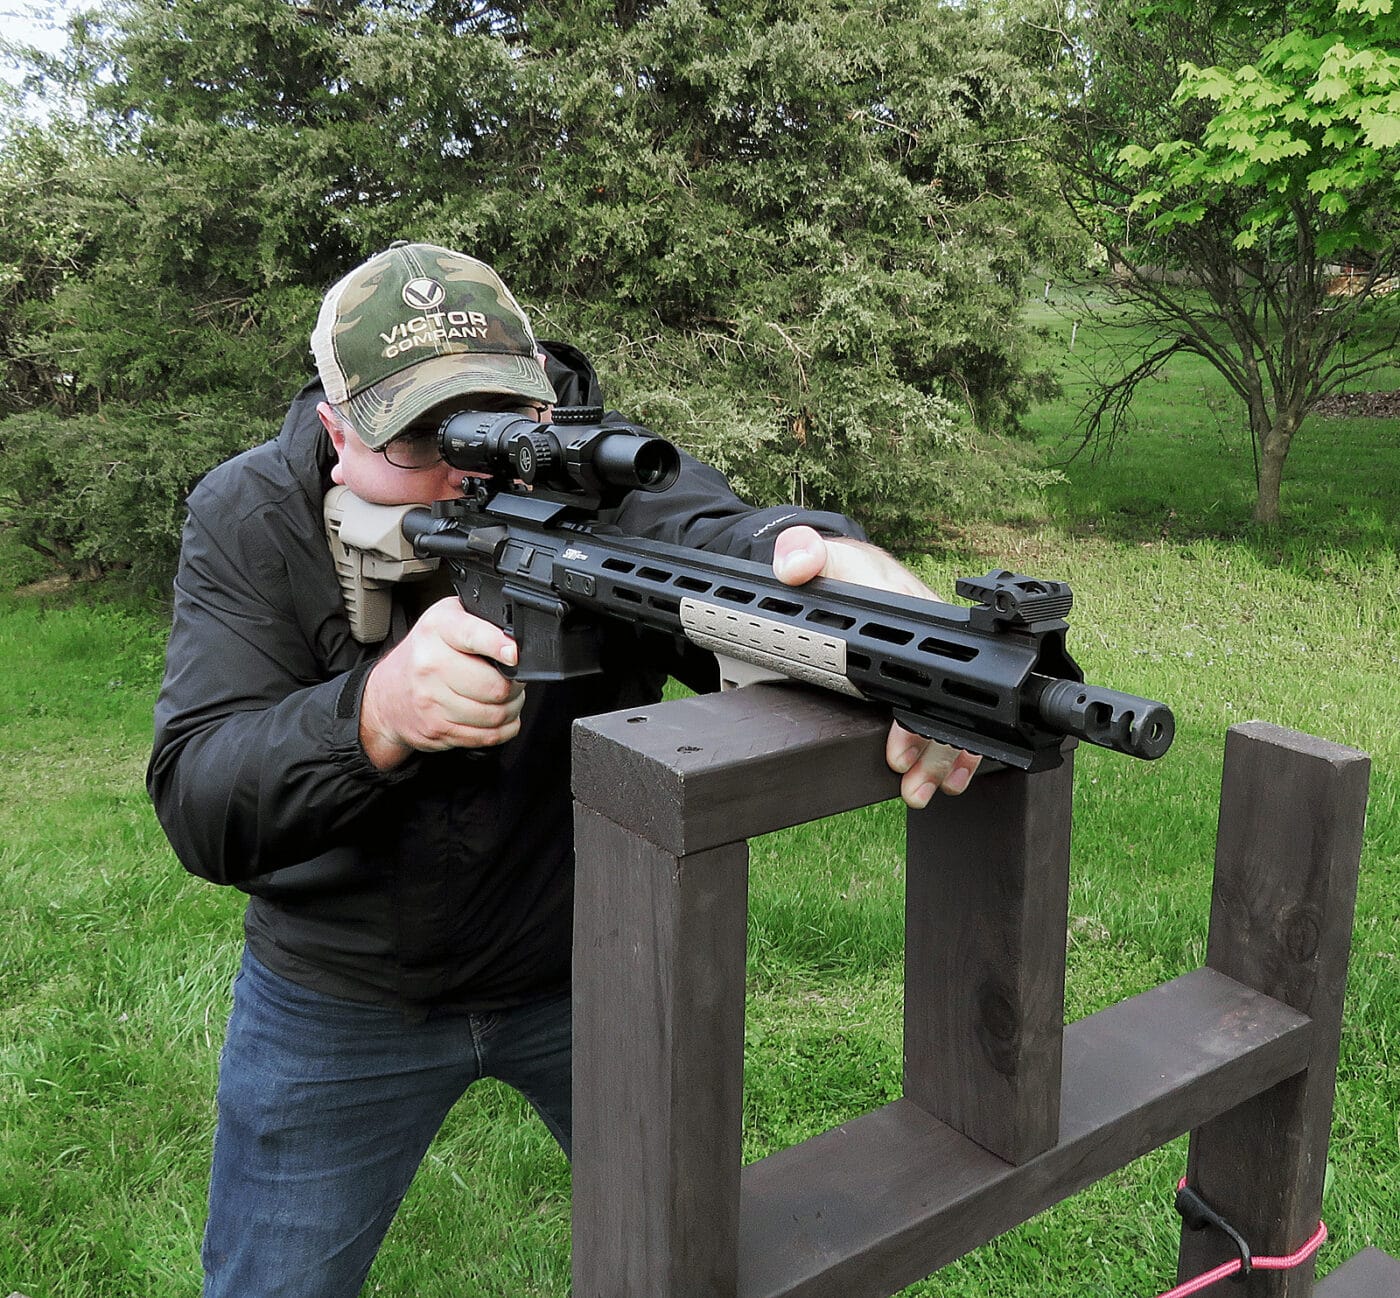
(333, 424)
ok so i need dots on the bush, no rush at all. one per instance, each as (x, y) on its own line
(103, 493)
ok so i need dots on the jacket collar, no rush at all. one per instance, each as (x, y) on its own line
(305, 444)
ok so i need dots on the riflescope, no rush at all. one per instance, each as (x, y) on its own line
(576, 454)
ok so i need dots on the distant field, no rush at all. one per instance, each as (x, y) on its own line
(116, 965)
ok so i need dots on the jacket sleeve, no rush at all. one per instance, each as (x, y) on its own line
(257, 763)
(701, 511)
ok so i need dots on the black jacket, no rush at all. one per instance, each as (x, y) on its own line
(446, 881)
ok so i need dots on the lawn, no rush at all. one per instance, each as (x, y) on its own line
(116, 965)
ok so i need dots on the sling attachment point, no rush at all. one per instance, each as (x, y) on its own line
(1198, 1214)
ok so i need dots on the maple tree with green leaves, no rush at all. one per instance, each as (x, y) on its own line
(1253, 218)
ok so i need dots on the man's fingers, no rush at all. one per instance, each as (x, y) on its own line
(468, 634)
(473, 700)
(440, 688)
(799, 554)
(927, 767)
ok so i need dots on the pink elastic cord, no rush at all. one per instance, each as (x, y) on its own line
(1227, 1269)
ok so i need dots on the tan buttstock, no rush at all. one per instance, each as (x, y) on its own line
(371, 557)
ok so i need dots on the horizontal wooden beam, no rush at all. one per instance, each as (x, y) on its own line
(1370, 1274)
(721, 768)
(873, 1205)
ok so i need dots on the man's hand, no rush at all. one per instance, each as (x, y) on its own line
(438, 689)
(800, 553)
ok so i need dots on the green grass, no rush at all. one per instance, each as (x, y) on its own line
(116, 965)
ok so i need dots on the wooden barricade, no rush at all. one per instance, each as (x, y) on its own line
(1005, 1110)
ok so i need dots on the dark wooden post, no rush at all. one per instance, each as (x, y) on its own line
(666, 799)
(657, 1195)
(1292, 810)
(984, 983)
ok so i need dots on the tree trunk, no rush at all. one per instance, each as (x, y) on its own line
(1273, 451)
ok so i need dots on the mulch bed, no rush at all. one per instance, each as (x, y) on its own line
(1369, 405)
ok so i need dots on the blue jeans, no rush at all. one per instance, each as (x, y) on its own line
(326, 1108)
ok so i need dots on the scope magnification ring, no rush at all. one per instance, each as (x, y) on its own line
(532, 454)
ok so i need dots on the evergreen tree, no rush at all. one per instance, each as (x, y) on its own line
(794, 236)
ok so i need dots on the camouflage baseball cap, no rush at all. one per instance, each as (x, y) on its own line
(415, 326)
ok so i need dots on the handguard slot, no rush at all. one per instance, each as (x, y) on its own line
(905, 675)
(971, 694)
(961, 653)
(824, 617)
(887, 634)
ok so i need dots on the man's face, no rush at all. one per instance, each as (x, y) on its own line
(373, 478)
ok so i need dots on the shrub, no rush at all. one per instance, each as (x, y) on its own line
(105, 492)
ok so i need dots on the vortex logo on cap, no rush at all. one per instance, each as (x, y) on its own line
(423, 294)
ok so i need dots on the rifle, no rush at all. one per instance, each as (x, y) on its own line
(526, 552)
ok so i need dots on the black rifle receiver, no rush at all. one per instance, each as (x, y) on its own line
(994, 678)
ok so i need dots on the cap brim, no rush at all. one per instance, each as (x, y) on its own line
(380, 413)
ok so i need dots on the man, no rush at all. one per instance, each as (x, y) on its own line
(398, 813)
